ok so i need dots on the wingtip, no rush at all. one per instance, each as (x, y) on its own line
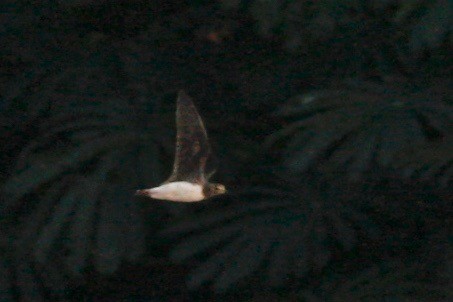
(182, 95)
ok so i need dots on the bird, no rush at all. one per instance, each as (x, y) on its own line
(189, 180)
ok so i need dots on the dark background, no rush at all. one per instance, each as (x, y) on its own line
(332, 122)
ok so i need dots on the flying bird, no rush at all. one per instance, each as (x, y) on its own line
(189, 181)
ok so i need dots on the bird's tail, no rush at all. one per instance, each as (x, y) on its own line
(142, 192)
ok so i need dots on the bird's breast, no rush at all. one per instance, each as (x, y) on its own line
(178, 191)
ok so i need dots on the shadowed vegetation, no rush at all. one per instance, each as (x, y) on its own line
(332, 124)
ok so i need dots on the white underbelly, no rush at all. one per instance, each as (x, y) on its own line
(178, 191)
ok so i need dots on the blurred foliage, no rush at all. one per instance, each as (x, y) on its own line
(354, 127)
(5, 277)
(432, 162)
(368, 35)
(68, 199)
(423, 277)
(87, 92)
(281, 229)
(385, 281)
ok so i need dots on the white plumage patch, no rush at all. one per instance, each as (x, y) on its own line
(177, 191)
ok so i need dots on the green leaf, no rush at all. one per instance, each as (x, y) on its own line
(83, 222)
(71, 196)
(433, 27)
(429, 162)
(200, 242)
(210, 268)
(385, 281)
(360, 125)
(246, 261)
(6, 292)
(29, 180)
(283, 235)
(53, 228)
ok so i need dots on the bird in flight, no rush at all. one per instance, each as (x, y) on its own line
(189, 181)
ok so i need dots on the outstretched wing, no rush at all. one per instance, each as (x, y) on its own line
(192, 144)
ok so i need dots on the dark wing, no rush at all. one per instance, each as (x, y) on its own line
(192, 144)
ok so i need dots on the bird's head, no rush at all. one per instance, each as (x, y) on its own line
(214, 189)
